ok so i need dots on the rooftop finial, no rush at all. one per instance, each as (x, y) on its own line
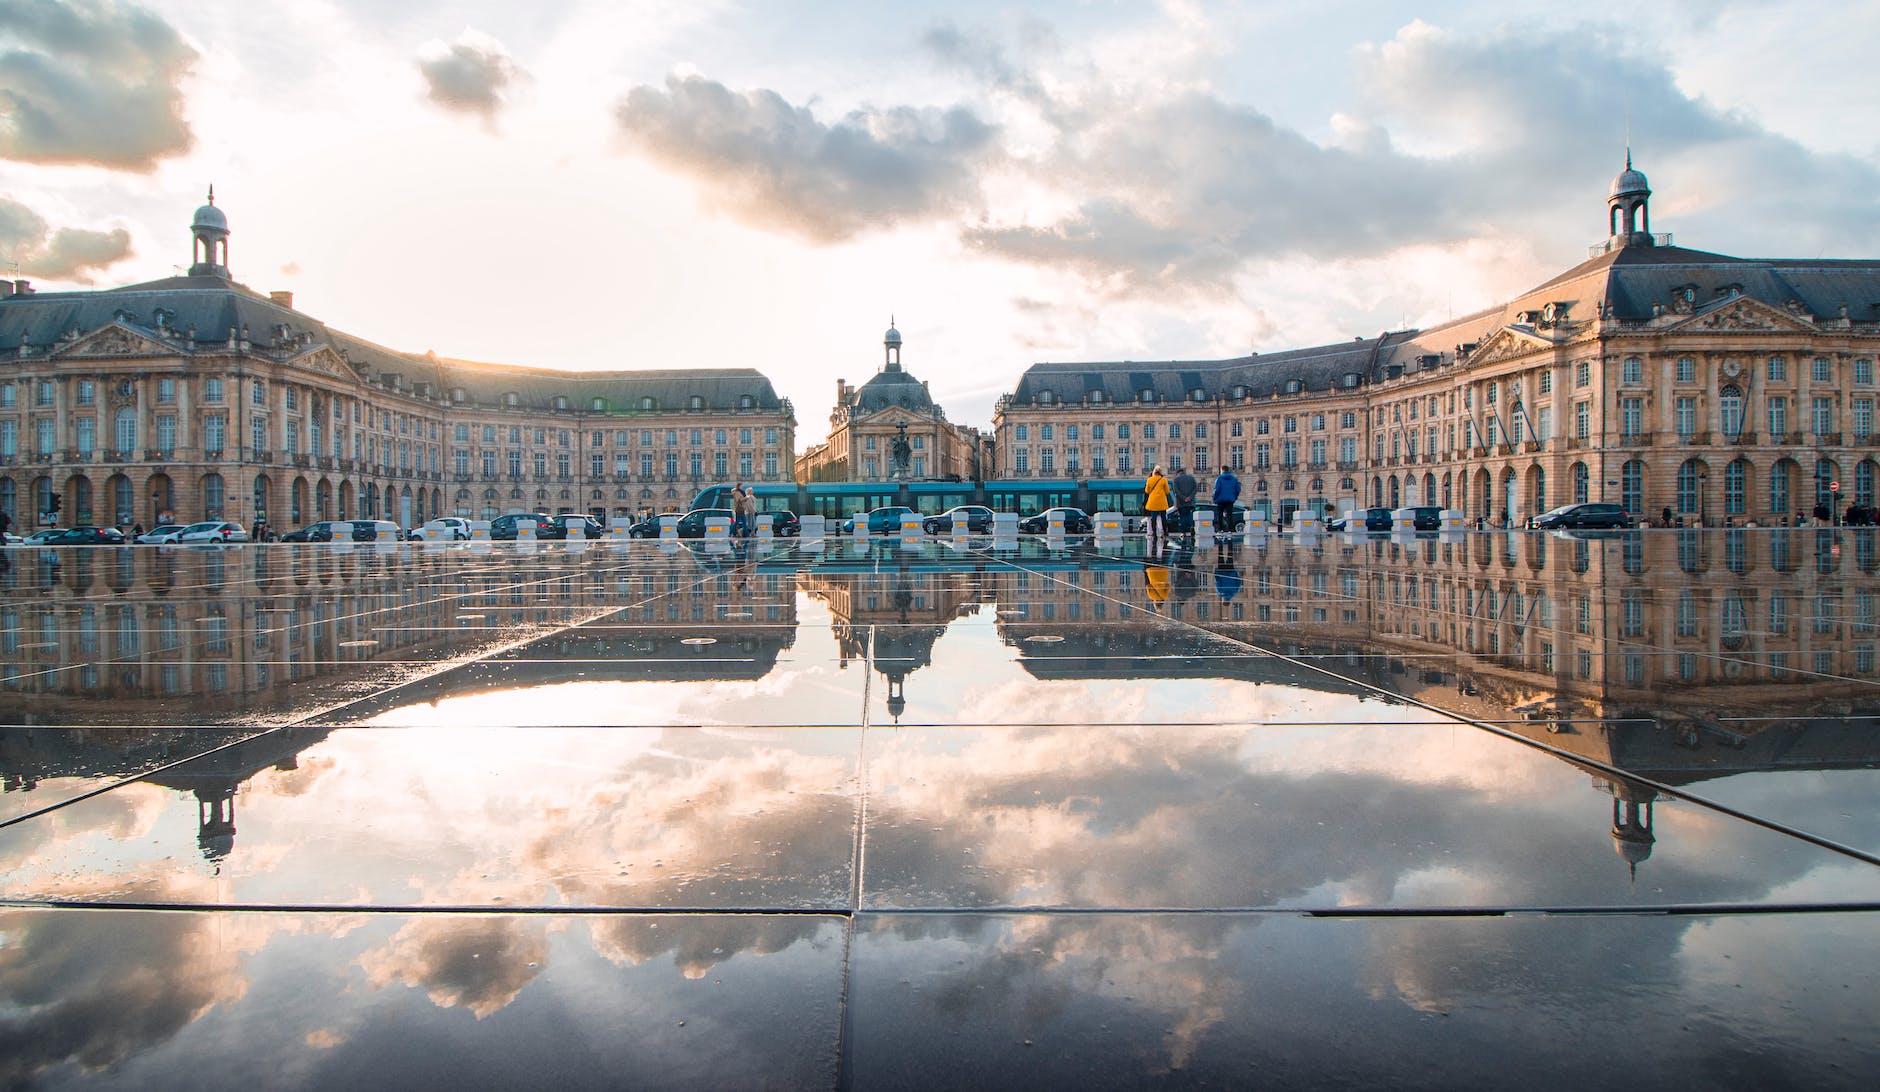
(212, 184)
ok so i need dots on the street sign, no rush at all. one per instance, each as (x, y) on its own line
(1834, 487)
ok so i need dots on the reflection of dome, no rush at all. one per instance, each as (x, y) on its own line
(1633, 845)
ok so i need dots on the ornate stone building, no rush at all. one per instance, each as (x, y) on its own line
(195, 397)
(869, 419)
(1729, 390)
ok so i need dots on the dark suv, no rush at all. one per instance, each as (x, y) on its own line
(1594, 514)
(572, 524)
(1367, 519)
(504, 527)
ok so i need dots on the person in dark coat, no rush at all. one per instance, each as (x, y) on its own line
(1226, 492)
(1185, 488)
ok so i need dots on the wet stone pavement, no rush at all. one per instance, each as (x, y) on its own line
(1497, 809)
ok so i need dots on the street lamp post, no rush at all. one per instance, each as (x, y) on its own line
(1703, 499)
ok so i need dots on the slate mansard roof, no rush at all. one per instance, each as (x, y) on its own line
(893, 388)
(201, 314)
(1631, 285)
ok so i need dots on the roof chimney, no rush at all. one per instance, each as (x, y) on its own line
(22, 288)
(6, 289)
(285, 299)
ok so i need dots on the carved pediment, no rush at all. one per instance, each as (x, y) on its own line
(116, 341)
(1506, 343)
(1743, 315)
(327, 362)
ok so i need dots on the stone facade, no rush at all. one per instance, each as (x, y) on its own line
(868, 420)
(195, 397)
(1729, 390)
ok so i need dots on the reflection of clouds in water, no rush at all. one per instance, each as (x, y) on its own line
(41, 852)
(1030, 701)
(86, 991)
(697, 944)
(478, 963)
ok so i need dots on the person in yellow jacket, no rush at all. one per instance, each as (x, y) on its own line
(1156, 503)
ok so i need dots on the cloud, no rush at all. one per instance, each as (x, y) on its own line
(472, 75)
(775, 166)
(68, 254)
(91, 82)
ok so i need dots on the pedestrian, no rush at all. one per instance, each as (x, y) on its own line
(743, 510)
(6, 523)
(1155, 503)
(137, 530)
(1226, 492)
(1185, 490)
(1667, 520)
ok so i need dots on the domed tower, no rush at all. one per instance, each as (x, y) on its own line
(210, 251)
(891, 347)
(1628, 207)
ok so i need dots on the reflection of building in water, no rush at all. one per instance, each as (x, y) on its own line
(230, 757)
(904, 611)
(1675, 656)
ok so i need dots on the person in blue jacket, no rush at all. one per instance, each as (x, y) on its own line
(1226, 492)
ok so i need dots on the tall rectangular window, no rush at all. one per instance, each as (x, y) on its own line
(45, 435)
(1633, 370)
(1824, 416)
(1822, 372)
(258, 434)
(1582, 420)
(212, 389)
(214, 432)
(1687, 370)
(1863, 419)
(88, 392)
(166, 434)
(87, 437)
(1863, 372)
(1778, 369)
(1778, 415)
(1685, 416)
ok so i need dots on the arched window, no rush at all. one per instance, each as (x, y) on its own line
(1581, 483)
(213, 496)
(126, 429)
(1690, 493)
(261, 496)
(1781, 483)
(1736, 488)
(1730, 411)
(1825, 474)
(1632, 487)
(1540, 490)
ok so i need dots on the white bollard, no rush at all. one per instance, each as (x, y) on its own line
(861, 526)
(619, 528)
(479, 530)
(1204, 524)
(1452, 520)
(717, 529)
(525, 530)
(1256, 525)
(1054, 526)
(763, 531)
(961, 528)
(811, 529)
(1305, 523)
(1005, 525)
(1109, 525)
(669, 527)
(910, 527)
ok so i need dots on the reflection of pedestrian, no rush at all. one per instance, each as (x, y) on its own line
(1155, 581)
(1226, 578)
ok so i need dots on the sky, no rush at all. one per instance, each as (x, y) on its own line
(634, 184)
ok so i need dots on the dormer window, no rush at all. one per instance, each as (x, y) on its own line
(511, 398)
(1095, 397)
(1240, 391)
(598, 405)
(561, 401)
(1045, 397)
(696, 403)
(1198, 395)
(457, 395)
(649, 403)
(1146, 394)
(746, 402)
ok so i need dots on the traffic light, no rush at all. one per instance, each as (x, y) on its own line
(58, 502)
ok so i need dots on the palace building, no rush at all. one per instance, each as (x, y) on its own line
(1728, 390)
(869, 419)
(195, 397)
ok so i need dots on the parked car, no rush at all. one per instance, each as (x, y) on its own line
(312, 532)
(43, 536)
(160, 534)
(1428, 517)
(570, 524)
(1076, 522)
(1364, 519)
(82, 535)
(450, 528)
(978, 520)
(881, 521)
(1179, 526)
(504, 527)
(692, 524)
(1594, 514)
(214, 530)
(785, 524)
(646, 528)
